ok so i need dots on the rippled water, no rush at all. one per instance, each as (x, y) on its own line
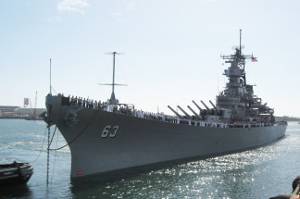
(259, 173)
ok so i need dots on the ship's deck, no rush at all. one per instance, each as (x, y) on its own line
(129, 110)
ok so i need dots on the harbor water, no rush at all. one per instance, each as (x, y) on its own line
(259, 173)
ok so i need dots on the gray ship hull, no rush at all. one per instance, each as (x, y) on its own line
(114, 138)
(139, 144)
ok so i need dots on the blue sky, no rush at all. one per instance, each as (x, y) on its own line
(171, 49)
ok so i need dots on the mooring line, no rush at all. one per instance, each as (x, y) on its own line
(77, 136)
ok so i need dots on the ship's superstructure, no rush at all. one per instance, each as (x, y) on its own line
(238, 97)
(108, 137)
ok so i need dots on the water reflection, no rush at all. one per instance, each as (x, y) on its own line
(259, 173)
(15, 191)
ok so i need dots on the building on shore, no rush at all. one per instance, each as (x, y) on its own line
(19, 112)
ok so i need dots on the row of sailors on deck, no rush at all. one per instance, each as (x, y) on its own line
(86, 103)
(93, 104)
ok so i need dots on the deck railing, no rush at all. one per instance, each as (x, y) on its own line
(131, 111)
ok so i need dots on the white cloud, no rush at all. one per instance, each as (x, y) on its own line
(78, 6)
(123, 7)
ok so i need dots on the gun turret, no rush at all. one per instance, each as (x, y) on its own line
(182, 110)
(175, 112)
(205, 105)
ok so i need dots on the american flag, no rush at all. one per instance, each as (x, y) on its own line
(254, 59)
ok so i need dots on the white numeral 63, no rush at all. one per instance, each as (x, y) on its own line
(109, 131)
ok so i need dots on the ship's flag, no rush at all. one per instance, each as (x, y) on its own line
(26, 102)
(254, 59)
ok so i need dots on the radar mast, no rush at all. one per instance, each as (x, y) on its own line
(113, 100)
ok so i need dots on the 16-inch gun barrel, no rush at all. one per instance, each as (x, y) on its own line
(200, 109)
(204, 105)
(193, 111)
(175, 112)
(213, 105)
(184, 112)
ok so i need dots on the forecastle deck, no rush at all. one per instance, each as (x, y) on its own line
(129, 110)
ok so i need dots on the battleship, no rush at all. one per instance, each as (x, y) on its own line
(109, 139)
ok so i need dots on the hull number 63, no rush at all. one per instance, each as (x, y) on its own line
(110, 131)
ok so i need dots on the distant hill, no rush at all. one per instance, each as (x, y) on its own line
(287, 118)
